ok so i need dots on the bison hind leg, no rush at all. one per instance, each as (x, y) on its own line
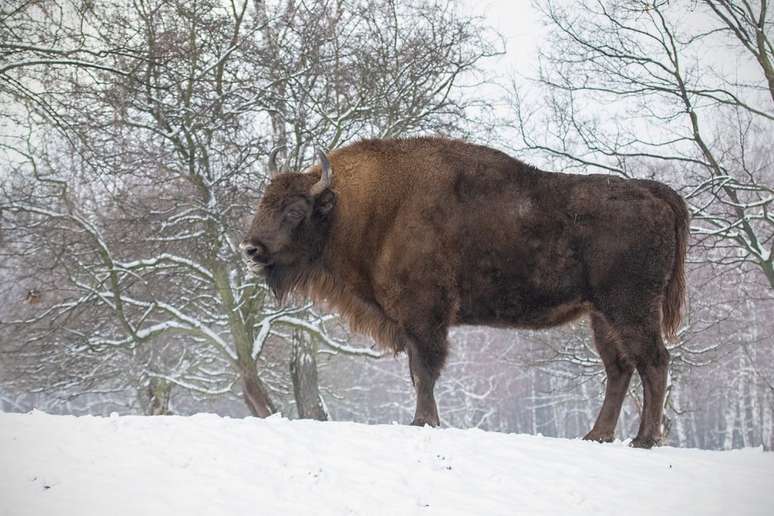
(651, 359)
(653, 368)
(636, 329)
(619, 370)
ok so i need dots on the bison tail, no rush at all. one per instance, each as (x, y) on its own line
(674, 298)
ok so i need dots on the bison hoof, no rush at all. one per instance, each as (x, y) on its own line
(421, 421)
(645, 442)
(599, 437)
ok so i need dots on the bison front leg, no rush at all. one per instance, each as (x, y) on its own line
(425, 367)
(424, 312)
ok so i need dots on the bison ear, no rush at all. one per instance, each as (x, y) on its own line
(325, 202)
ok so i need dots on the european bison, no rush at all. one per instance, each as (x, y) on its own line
(408, 237)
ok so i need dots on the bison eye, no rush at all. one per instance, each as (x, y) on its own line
(294, 215)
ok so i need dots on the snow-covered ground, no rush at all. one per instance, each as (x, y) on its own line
(61, 465)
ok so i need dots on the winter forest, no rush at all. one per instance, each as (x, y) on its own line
(134, 138)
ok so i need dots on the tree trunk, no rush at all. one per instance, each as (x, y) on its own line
(303, 371)
(153, 396)
(666, 420)
(277, 116)
(254, 391)
(767, 424)
(729, 418)
(159, 391)
(679, 417)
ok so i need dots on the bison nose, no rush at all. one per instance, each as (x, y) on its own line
(255, 252)
(250, 250)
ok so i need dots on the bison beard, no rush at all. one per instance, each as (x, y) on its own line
(282, 280)
(406, 238)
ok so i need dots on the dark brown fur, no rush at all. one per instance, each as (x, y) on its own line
(416, 235)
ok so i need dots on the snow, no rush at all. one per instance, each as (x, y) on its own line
(205, 464)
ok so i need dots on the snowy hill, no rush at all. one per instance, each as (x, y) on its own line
(62, 465)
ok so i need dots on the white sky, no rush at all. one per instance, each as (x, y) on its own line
(519, 24)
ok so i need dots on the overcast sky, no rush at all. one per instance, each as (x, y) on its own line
(519, 24)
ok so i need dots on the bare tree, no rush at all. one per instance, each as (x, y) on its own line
(134, 167)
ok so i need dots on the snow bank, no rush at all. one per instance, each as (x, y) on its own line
(61, 465)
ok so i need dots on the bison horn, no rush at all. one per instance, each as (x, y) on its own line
(325, 176)
(273, 160)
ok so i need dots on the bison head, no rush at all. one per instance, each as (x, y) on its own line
(290, 227)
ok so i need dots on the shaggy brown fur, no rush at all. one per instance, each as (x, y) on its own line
(413, 236)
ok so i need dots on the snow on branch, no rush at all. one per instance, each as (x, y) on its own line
(336, 344)
(165, 257)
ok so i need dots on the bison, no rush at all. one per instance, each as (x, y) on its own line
(407, 237)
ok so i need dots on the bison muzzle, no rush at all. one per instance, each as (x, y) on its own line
(407, 237)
